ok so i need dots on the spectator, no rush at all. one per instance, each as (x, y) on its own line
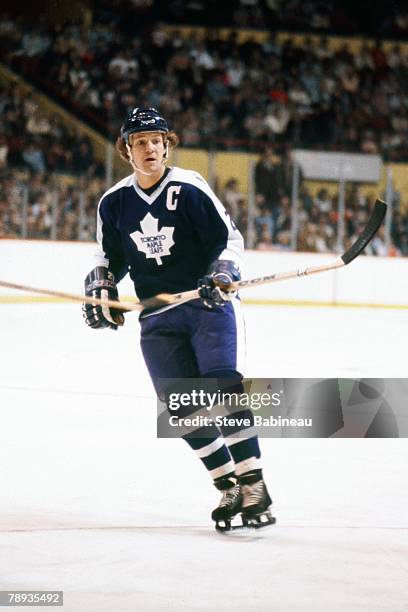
(123, 64)
(3, 151)
(264, 241)
(82, 158)
(266, 187)
(323, 201)
(37, 124)
(34, 157)
(277, 119)
(234, 201)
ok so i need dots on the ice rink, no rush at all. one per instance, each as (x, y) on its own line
(93, 504)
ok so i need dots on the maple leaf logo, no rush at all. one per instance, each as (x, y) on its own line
(151, 241)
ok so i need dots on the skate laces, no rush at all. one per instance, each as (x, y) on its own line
(252, 493)
(229, 496)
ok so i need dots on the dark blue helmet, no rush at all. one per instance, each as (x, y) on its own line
(143, 120)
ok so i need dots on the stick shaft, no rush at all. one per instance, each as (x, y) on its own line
(280, 276)
(72, 297)
(164, 299)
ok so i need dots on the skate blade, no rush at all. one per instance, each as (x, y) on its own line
(226, 525)
(242, 523)
(265, 519)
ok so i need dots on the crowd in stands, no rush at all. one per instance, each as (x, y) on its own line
(220, 93)
(318, 213)
(28, 137)
(49, 190)
(43, 170)
(318, 225)
(39, 205)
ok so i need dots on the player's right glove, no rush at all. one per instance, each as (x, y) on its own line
(213, 288)
(100, 283)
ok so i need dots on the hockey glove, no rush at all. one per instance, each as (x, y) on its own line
(213, 287)
(100, 283)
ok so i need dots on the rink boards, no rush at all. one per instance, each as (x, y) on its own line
(368, 281)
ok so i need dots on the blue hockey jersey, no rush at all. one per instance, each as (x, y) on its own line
(168, 239)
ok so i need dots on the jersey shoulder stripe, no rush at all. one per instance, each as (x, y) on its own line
(192, 178)
(128, 181)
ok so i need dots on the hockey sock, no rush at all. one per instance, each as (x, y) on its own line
(250, 477)
(214, 454)
(245, 453)
(243, 445)
(226, 482)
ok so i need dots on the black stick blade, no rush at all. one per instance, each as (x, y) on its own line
(374, 222)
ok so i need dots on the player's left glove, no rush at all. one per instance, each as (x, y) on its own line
(213, 287)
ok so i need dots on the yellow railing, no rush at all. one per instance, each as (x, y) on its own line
(334, 42)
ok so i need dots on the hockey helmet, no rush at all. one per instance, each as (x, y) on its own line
(142, 119)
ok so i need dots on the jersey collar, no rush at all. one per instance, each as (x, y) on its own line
(149, 199)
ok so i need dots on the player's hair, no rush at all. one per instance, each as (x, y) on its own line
(170, 139)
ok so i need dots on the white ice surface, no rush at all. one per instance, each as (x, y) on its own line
(92, 503)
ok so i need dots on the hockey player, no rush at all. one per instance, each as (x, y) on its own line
(167, 229)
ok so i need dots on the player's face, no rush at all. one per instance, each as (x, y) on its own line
(148, 150)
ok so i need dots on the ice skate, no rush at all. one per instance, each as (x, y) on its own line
(256, 502)
(230, 503)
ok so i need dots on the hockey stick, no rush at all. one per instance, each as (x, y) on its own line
(354, 251)
(73, 297)
(165, 299)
